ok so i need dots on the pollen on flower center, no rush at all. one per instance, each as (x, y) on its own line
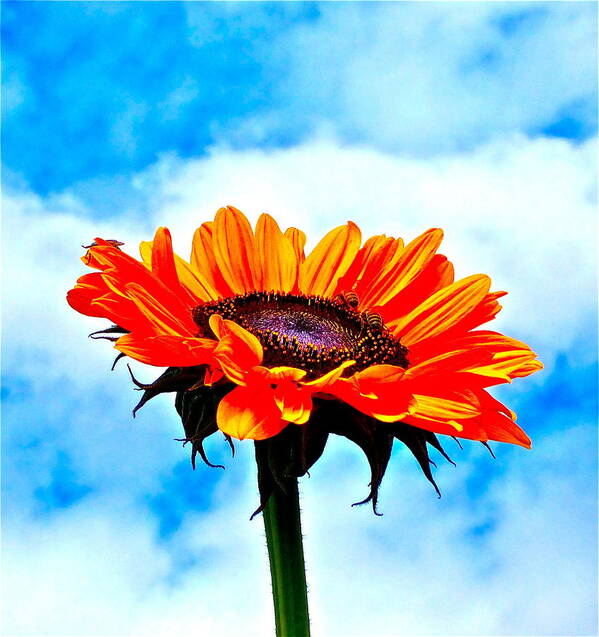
(309, 332)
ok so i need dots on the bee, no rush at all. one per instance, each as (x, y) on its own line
(374, 320)
(350, 299)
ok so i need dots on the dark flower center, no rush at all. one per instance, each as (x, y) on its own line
(309, 332)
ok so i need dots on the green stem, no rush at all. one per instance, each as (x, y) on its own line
(286, 555)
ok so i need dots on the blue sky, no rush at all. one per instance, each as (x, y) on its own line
(118, 117)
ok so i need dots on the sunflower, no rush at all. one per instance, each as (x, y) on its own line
(373, 342)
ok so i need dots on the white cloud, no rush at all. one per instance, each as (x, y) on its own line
(521, 210)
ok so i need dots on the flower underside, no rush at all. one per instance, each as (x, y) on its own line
(310, 332)
(294, 450)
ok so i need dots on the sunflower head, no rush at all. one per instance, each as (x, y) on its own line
(374, 342)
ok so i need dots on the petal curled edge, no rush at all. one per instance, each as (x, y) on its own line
(292, 395)
(293, 401)
(297, 238)
(329, 260)
(119, 270)
(326, 380)
(238, 351)
(292, 398)
(374, 381)
(250, 413)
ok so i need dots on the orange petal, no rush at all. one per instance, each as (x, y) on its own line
(321, 384)
(508, 365)
(238, 351)
(435, 276)
(496, 426)
(279, 374)
(145, 252)
(164, 266)
(457, 360)
(499, 366)
(492, 356)
(250, 412)
(373, 257)
(163, 261)
(167, 350)
(494, 422)
(404, 269)
(451, 406)
(80, 299)
(212, 376)
(497, 422)
(445, 427)
(446, 346)
(374, 380)
(120, 269)
(191, 280)
(492, 404)
(235, 250)
(277, 257)
(160, 317)
(297, 238)
(442, 310)
(387, 401)
(123, 267)
(490, 425)
(204, 263)
(294, 401)
(292, 398)
(90, 288)
(329, 260)
(484, 312)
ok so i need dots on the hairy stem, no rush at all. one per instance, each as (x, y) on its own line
(286, 555)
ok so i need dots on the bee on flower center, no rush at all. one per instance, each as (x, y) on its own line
(311, 332)
(348, 298)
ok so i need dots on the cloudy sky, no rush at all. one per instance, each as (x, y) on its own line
(479, 118)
